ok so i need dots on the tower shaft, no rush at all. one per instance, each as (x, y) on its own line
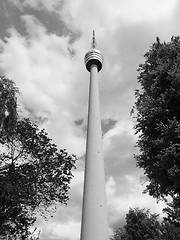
(94, 215)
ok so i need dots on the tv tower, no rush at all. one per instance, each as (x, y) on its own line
(94, 223)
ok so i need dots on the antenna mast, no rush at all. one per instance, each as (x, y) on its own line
(94, 40)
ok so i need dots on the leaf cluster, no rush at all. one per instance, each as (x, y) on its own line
(158, 119)
(8, 106)
(141, 224)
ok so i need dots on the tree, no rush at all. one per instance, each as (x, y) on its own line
(8, 106)
(142, 225)
(169, 231)
(119, 234)
(158, 119)
(34, 174)
(173, 214)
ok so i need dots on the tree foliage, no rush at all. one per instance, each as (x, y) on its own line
(8, 107)
(119, 234)
(158, 119)
(142, 225)
(34, 174)
(173, 214)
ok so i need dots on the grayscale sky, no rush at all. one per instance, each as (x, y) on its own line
(42, 47)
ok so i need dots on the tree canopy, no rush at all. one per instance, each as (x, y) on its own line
(34, 174)
(142, 225)
(8, 107)
(158, 119)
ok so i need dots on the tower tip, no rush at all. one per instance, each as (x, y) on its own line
(93, 56)
(94, 40)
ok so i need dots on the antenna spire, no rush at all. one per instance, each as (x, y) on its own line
(93, 40)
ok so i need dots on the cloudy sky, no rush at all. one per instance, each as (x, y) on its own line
(42, 47)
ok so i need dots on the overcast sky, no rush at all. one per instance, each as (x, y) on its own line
(42, 47)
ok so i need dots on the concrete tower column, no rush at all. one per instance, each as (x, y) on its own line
(94, 224)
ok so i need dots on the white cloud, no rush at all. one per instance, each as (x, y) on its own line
(65, 231)
(130, 196)
(124, 188)
(43, 69)
(38, 4)
(107, 15)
